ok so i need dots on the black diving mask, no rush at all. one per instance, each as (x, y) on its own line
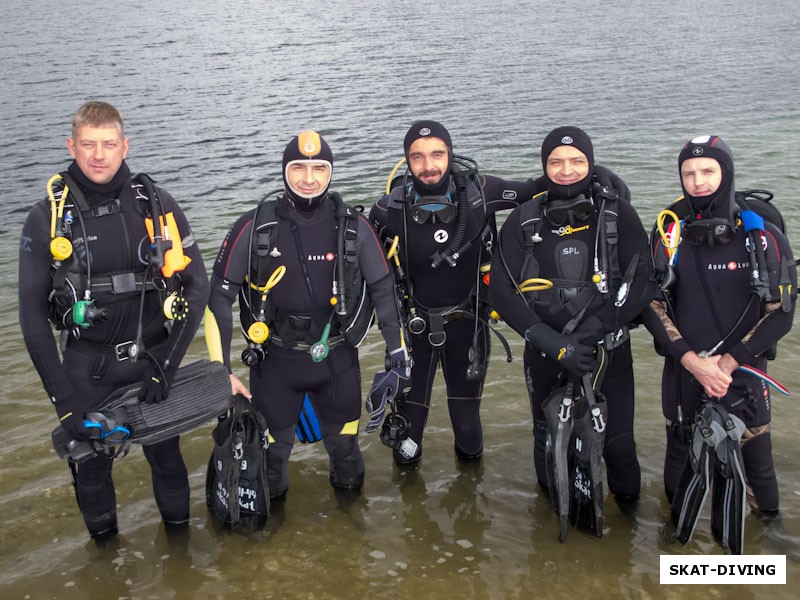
(433, 209)
(709, 231)
(561, 212)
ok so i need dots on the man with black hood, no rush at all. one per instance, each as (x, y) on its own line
(307, 270)
(571, 274)
(722, 307)
(439, 219)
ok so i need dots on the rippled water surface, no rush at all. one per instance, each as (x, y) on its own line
(212, 91)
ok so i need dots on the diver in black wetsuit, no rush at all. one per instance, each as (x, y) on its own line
(318, 268)
(558, 237)
(443, 218)
(716, 317)
(94, 295)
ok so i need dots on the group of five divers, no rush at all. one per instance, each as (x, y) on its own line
(570, 270)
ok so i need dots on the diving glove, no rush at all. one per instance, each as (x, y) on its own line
(386, 386)
(70, 413)
(573, 352)
(155, 385)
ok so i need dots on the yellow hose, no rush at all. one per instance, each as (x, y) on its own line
(391, 175)
(394, 248)
(535, 284)
(273, 280)
(671, 245)
(53, 209)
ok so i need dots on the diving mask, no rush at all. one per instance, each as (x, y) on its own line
(708, 231)
(433, 209)
(561, 212)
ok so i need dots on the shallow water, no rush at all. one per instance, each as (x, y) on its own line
(211, 92)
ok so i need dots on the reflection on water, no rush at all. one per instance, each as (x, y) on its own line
(211, 92)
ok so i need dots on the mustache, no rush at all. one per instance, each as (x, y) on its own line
(430, 173)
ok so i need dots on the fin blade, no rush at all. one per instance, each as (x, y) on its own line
(200, 393)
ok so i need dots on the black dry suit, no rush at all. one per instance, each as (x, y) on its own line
(734, 296)
(105, 297)
(328, 252)
(599, 271)
(440, 269)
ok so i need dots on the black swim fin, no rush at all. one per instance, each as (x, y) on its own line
(308, 428)
(558, 413)
(693, 485)
(728, 491)
(200, 393)
(588, 434)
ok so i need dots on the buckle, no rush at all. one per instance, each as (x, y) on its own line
(615, 339)
(122, 283)
(299, 323)
(126, 350)
(437, 338)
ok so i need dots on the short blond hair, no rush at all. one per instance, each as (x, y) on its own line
(97, 114)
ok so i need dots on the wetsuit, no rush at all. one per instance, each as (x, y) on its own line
(305, 242)
(118, 244)
(566, 255)
(713, 300)
(447, 298)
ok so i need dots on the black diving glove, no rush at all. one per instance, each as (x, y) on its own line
(155, 385)
(573, 352)
(386, 386)
(741, 400)
(71, 415)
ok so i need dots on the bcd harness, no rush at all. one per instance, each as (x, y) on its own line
(346, 323)
(754, 209)
(575, 295)
(75, 290)
(469, 198)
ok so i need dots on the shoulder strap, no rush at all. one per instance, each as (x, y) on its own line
(265, 223)
(530, 219)
(608, 196)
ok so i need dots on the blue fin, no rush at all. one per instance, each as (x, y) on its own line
(308, 428)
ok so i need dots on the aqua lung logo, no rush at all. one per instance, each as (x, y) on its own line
(441, 236)
(729, 266)
(697, 151)
(568, 230)
(424, 131)
(567, 140)
(320, 257)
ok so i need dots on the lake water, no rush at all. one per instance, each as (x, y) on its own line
(212, 90)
